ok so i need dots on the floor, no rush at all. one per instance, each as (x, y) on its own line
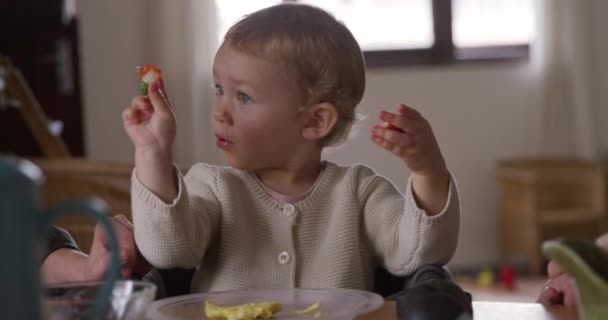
(526, 290)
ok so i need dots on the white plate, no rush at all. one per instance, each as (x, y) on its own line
(334, 303)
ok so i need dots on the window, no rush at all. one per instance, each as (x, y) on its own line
(400, 32)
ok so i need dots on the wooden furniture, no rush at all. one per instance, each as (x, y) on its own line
(493, 311)
(67, 177)
(24, 100)
(79, 178)
(540, 199)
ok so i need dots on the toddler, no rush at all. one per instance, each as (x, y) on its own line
(287, 81)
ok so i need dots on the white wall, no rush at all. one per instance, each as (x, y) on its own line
(112, 42)
(480, 112)
(599, 55)
(115, 37)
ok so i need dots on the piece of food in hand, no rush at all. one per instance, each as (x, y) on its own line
(148, 74)
(249, 311)
(390, 126)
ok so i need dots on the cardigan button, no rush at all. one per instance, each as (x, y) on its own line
(284, 257)
(289, 209)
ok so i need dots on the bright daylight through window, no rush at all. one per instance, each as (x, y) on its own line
(417, 26)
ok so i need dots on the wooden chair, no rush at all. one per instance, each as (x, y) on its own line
(71, 178)
(540, 199)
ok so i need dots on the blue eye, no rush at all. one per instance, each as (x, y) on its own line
(244, 98)
(219, 91)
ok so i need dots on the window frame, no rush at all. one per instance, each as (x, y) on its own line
(443, 51)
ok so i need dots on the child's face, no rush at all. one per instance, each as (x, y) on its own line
(255, 111)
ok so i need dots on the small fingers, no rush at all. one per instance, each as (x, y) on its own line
(408, 112)
(139, 110)
(398, 122)
(142, 103)
(550, 296)
(402, 139)
(126, 268)
(158, 97)
(554, 269)
(120, 218)
(382, 142)
(569, 292)
(132, 115)
(163, 91)
(400, 148)
(124, 256)
(100, 231)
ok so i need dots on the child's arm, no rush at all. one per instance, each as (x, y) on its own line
(174, 219)
(424, 229)
(177, 234)
(150, 124)
(402, 235)
(410, 137)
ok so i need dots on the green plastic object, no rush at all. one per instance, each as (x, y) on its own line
(587, 264)
(24, 224)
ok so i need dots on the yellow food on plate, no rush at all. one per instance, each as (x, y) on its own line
(311, 311)
(249, 311)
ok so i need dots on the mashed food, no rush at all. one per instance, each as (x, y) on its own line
(249, 311)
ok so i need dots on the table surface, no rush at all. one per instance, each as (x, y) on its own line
(494, 311)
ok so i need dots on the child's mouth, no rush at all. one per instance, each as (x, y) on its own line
(222, 143)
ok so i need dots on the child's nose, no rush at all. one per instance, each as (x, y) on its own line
(222, 113)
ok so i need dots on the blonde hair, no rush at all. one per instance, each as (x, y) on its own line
(325, 56)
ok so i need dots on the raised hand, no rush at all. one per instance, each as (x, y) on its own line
(149, 120)
(150, 123)
(409, 136)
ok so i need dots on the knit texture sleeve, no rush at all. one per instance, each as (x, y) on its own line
(177, 234)
(403, 236)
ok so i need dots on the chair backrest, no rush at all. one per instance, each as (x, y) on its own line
(79, 178)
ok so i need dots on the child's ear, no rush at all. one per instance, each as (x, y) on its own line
(321, 118)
